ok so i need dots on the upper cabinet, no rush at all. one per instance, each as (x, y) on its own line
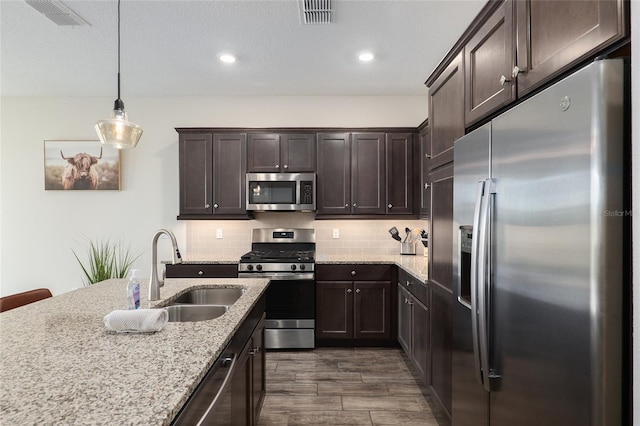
(281, 152)
(212, 174)
(489, 60)
(399, 173)
(425, 158)
(553, 35)
(521, 44)
(446, 111)
(368, 173)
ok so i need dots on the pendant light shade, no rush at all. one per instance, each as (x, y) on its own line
(117, 131)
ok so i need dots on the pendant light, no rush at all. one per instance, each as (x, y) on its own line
(118, 131)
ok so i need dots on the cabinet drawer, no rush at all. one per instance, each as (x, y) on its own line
(414, 286)
(203, 271)
(359, 272)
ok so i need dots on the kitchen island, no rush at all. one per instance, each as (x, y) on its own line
(61, 366)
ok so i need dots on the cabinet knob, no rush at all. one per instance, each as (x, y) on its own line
(200, 272)
(353, 273)
(408, 283)
(390, 205)
(277, 166)
(355, 205)
(349, 290)
(427, 156)
(427, 186)
(358, 290)
(215, 206)
(503, 80)
(406, 300)
(207, 205)
(516, 71)
(346, 205)
(286, 166)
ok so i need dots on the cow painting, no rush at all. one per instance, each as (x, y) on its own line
(80, 173)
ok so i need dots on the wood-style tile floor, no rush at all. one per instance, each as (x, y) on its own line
(345, 386)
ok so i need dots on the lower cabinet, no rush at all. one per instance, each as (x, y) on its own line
(414, 324)
(248, 385)
(354, 305)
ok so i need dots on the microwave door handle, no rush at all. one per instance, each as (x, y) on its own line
(474, 282)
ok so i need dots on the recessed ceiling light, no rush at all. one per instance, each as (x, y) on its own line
(227, 58)
(366, 56)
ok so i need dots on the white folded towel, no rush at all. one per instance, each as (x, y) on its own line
(136, 321)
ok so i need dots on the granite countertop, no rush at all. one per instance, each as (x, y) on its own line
(61, 366)
(415, 265)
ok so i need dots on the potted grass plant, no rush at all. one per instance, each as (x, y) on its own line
(106, 260)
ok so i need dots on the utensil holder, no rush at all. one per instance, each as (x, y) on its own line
(408, 248)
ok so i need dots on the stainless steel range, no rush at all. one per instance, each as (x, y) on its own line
(287, 256)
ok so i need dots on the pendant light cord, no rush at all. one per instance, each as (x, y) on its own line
(118, 49)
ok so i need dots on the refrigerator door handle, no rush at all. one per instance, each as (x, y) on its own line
(484, 283)
(474, 283)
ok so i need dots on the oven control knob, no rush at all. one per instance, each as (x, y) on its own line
(250, 267)
(259, 267)
(302, 267)
(293, 267)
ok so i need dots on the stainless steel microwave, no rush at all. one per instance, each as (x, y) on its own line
(281, 191)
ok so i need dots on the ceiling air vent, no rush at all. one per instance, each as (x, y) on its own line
(316, 11)
(57, 11)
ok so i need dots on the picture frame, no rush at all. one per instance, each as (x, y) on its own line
(81, 165)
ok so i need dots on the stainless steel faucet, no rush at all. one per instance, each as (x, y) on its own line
(154, 282)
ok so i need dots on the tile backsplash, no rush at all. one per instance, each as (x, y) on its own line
(355, 236)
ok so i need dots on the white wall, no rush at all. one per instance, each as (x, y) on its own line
(38, 228)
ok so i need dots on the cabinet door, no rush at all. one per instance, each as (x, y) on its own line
(553, 35)
(298, 152)
(425, 159)
(441, 346)
(446, 112)
(334, 174)
(240, 385)
(399, 173)
(489, 59)
(263, 153)
(196, 173)
(258, 375)
(404, 319)
(420, 337)
(334, 310)
(183, 270)
(372, 310)
(368, 173)
(441, 223)
(230, 159)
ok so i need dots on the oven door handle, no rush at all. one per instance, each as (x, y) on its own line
(290, 276)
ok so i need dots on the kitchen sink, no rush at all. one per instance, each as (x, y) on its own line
(186, 313)
(209, 296)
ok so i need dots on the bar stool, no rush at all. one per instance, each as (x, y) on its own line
(20, 299)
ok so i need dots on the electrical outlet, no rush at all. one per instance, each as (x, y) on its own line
(336, 233)
(219, 233)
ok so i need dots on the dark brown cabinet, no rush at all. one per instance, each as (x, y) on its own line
(184, 270)
(425, 157)
(523, 44)
(257, 367)
(196, 173)
(414, 334)
(281, 152)
(489, 60)
(441, 346)
(351, 177)
(441, 223)
(399, 173)
(212, 174)
(354, 304)
(446, 112)
(554, 35)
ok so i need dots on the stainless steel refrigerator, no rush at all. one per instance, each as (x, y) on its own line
(539, 225)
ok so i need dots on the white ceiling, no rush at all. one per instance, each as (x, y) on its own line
(171, 48)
